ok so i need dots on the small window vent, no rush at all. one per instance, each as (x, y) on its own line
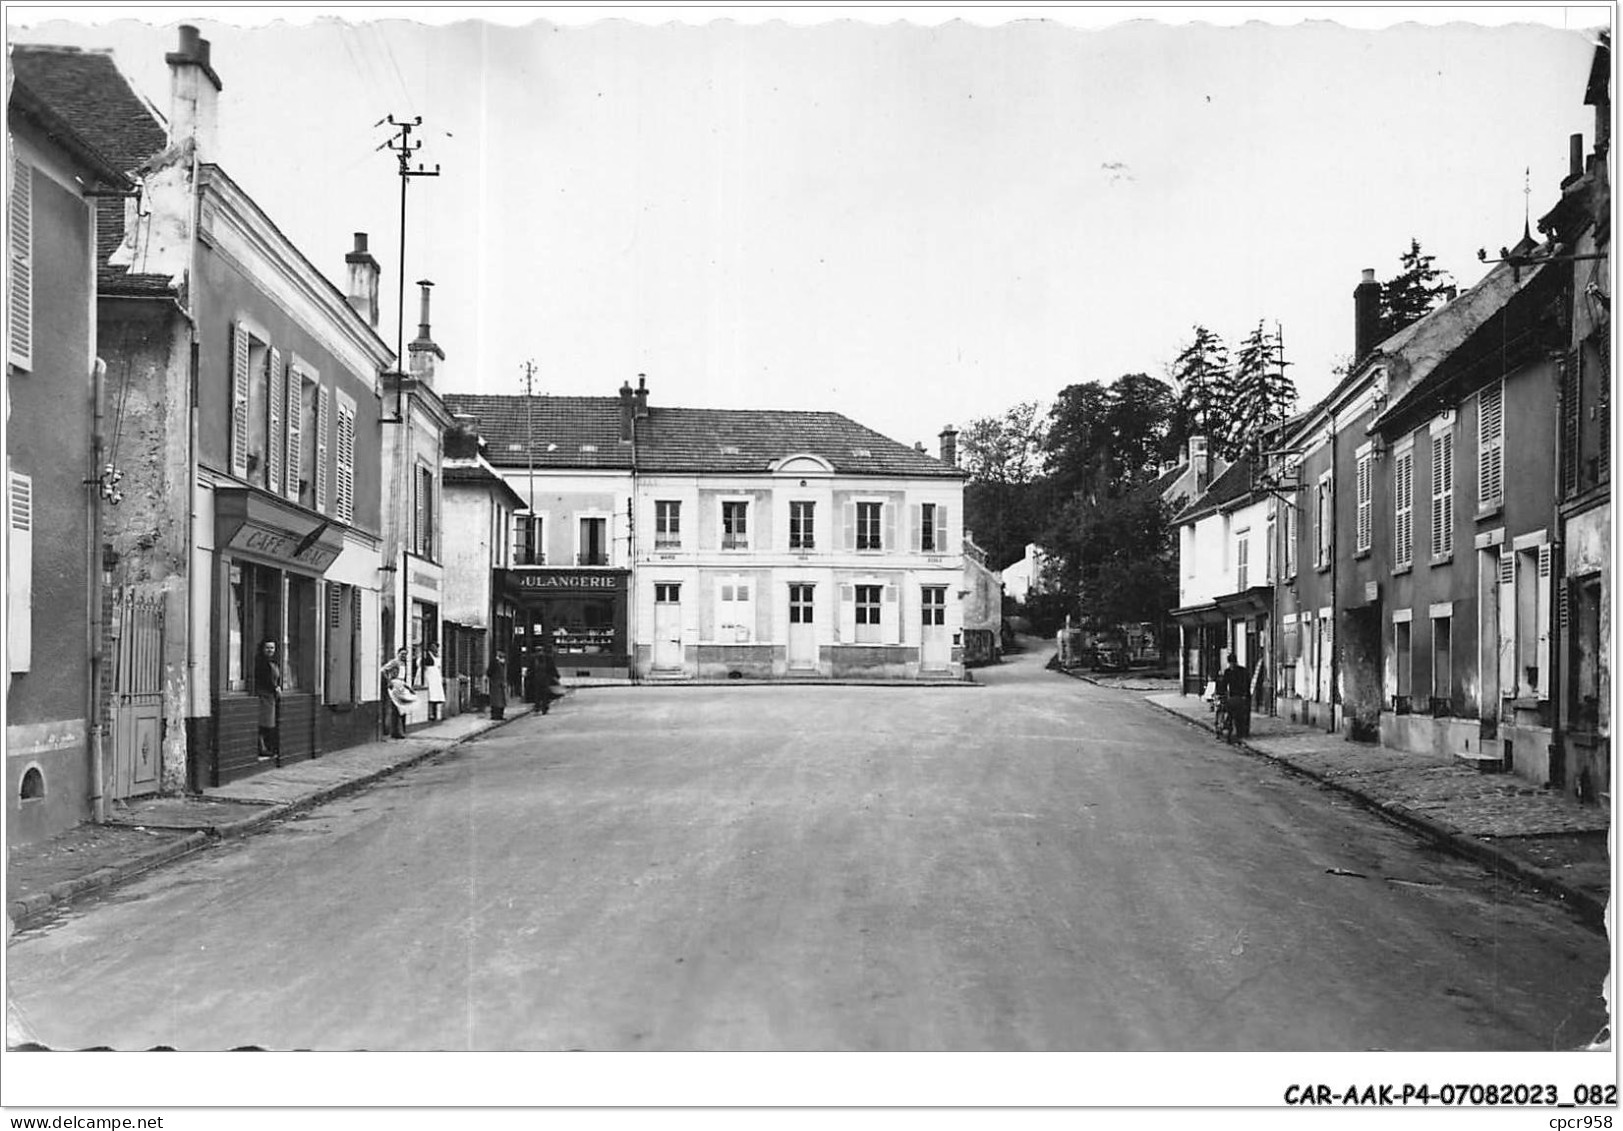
(588, 447)
(729, 449)
(515, 447)
(862, 453)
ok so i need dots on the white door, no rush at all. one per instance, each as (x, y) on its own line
(667, 626)
(936, 648)
(802, 627)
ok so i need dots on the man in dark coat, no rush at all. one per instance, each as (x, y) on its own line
(1234, 685)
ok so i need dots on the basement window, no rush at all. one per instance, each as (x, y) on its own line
(33, 787)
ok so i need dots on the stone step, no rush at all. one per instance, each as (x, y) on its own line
(1487, 759)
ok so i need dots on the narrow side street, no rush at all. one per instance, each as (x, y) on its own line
(1030, 864)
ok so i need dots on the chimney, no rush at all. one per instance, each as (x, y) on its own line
(641, 410)
(1575, 158)
(194, 94)
(363, 281)
(462, 438)
(1366, 316)
(918, 446)
(425, 355)
(1200, 460)
(627, 411)
(949, 446)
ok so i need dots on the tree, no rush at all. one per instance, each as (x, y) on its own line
(1139, 416)
(1413, 292)
(1078, 441)
(1201, 374)
(1003, 455)
(1263, 394)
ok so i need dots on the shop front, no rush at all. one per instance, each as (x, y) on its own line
(1203, 631)
(582, 614)
(271, 558)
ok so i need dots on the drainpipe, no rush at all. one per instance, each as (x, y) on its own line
(1335, 594)
(97, 583)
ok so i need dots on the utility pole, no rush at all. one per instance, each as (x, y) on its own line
(529, 433)
(401, 145)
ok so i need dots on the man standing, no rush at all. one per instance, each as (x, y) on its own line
(1234, 685)
(397, 692)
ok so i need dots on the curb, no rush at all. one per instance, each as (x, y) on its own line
(1589, 907)
(25, 912)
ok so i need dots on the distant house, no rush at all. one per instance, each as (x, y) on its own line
(980, 608)
(1025, 576)
(678, 543)
(59, 659)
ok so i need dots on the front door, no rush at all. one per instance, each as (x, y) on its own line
(802, 627)
(667, 626)
(137, 690)
(936, 649)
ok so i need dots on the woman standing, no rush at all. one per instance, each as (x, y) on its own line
(434, 681)
(268, 687)
(498, 685)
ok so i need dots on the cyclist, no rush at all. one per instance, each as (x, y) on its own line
(1234, 693)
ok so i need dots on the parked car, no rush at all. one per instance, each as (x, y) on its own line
(1110, 659)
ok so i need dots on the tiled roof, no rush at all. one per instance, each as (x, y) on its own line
(87, 89)
(584, 432)
(1234, 484)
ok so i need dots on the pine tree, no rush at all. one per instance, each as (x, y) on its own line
(1413, 292)
(1263, 394)
(1204, 383)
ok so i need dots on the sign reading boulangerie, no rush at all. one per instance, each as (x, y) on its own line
(567, 580)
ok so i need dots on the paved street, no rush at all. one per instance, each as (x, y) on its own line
(1032, 864)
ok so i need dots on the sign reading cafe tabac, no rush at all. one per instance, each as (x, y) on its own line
(273, 543)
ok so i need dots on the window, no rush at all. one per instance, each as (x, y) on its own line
(527, 540)
(1242, 558)
(1366, 476)
(1442, 665)
(735, 531)
(343, 641)
(802, 525)
(1290, 539)
(299, 649)
(1403, 511)
(735, 611)
(305, 449)
(800, 604)
(667, 524)
(422, 518)
(933, 604)
(868, 601)
(20, 303)
(1442, 495)
(254, 615)
(667, 593)
(20, 572)
(1588, 651)
(594, 545)
(932, 527)
(1401, 637)
(1270, 534)
(1323, 521)
(1532, 632)
(1490, 448)
(424, 630)
(869, 530)
(344, 503)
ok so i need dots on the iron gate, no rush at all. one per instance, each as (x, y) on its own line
(137, 625)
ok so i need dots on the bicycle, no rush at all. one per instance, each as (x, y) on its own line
(1223, 720)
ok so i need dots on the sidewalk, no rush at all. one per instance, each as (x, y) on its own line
(147, 832)
(1501, 820)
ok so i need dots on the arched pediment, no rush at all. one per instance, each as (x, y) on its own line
(802, 463)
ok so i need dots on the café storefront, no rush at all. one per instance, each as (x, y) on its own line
(582, 613)
(271, 558)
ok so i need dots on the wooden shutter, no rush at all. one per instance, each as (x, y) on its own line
(20, 304)
(1442, 493)
(1490, 447)
(322, 423)
(1365, 502)
(848, 613)
(888, 510)
(346, 460)
(1542, 647)
(1570, 385)
(917, 532)
(1508, 680)
(276, 440)
(1403, 510)
(296, 471)
(20, 572)
(419, 514)
(850, 526)
(890, 614)
(239, 402)
(942, 545)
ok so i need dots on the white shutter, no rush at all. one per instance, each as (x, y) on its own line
(20, 304)
(890, 614)
(276, 440)
(942, 545)
(295, 432)
(1490, 447)
(20, 573)
(917, 533)
(889, 512)
(239, 402)
(1403, 510)
(346, 460)
(850, 526)
(322, 423)
(1442, 493)
(848, 614)
(1508, 680)
(1365, 502)
(1542, 656)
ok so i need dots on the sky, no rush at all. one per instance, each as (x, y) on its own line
(914, 223)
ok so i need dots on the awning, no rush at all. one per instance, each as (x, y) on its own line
(255, 524)
(1192, 615)
(1255, 601)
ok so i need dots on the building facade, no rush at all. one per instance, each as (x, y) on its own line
(671, 543)
(56, 640)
